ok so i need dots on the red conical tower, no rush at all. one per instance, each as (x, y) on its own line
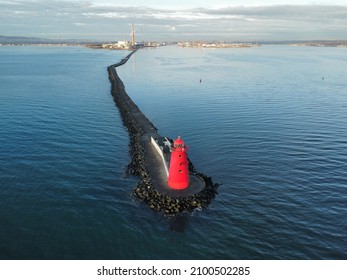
(178, 170)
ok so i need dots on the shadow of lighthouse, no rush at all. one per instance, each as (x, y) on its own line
(180, 222)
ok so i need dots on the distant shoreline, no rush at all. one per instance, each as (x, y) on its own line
(219, 45)
(326, 45)
(41, 45)
(338, 44)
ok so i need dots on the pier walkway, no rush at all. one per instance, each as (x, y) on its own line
(155, 165)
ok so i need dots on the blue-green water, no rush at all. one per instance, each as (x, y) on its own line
(268, 123)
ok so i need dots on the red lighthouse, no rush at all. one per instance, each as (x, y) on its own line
(178, 170)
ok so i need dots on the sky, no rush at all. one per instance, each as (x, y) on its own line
(176, 20)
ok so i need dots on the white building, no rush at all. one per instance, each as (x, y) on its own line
(123, 44)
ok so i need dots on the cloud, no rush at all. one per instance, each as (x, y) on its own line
(95, 21)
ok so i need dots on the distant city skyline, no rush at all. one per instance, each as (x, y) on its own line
(237, 20)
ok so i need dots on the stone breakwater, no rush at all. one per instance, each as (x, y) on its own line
(140, 130)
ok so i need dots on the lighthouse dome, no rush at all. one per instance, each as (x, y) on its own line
(179, 142)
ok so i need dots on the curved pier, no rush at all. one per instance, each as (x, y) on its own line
(149, 164)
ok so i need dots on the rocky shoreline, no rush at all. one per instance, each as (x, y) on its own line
(138, 125)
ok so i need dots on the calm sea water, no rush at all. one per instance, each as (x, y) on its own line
(269, 124)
